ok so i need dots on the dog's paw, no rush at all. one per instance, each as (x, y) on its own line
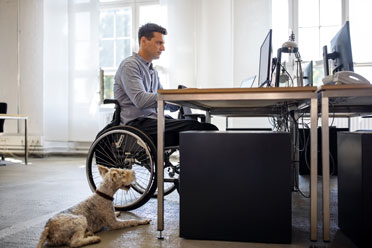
(144, 222)
(94, 239)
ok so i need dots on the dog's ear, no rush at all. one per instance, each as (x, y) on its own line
(102, 170)
(115, 175)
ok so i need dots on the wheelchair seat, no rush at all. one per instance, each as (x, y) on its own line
(170, 140)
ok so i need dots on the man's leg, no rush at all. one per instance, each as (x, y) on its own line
(172, 128)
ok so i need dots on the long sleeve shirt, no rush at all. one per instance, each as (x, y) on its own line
(136, 85)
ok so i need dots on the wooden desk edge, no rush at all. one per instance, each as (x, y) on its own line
(236, 90)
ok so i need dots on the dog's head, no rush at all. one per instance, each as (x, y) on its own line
(120, 178)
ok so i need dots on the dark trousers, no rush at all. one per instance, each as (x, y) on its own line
(172, 128)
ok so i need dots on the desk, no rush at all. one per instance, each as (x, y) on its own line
(241, 102)
(19, 117)
(354, 99)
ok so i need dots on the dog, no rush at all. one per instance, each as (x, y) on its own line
(76, 226)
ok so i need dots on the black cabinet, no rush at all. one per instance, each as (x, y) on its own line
(235, 186)
(355, 186)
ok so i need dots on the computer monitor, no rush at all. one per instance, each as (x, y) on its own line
(248, 82)
(308, 74)
(341, 54)
(265, 61)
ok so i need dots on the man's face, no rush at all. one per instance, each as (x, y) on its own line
(154, 47)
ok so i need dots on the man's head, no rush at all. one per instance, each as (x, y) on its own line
(150, 37)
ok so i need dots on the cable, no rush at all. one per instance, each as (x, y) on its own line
(285, 70)
(299, 67)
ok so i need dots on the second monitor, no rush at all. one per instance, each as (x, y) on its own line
(264, 76)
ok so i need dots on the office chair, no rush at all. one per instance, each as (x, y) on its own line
(3, 110)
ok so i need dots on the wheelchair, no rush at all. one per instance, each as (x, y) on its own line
(127, 147)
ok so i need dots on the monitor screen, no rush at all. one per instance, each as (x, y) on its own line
(341, 55)
(248, 82)
(308, 74)
(265, 61)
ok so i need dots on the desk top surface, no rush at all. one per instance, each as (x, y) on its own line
(236, 90)
(240, 101)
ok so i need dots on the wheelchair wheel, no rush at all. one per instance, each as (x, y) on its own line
(125, 147)
(171, 170)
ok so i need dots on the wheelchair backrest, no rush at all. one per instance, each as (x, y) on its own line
(116, 117)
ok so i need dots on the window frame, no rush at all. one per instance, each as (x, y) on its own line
(121, 4)
(293, 23)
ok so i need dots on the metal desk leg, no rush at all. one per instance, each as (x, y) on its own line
(26, 146)
(314, 170)
(325, 171)
(160, 169)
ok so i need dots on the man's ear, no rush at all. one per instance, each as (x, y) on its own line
(143, 40)
(102, 170)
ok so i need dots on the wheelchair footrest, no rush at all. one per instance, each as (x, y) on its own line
(170, 180)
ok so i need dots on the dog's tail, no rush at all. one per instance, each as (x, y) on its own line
(43, 237)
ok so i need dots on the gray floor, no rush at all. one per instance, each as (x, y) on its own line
(30, 194)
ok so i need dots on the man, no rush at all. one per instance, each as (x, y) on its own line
(136, 85)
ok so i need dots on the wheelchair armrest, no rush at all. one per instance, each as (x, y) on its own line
(195, 117)
(110, 101)
(189, 115)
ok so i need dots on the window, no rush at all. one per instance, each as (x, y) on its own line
(361, 37)
(115, 44)
(316, 22)
(115, 36)
(119, 21)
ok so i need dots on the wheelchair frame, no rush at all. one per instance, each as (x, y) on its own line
(127, 147)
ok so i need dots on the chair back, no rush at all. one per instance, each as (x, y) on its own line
(3, 110)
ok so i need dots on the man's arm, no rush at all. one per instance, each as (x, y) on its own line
(133, 86)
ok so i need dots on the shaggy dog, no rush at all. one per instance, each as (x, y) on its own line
(75, 226)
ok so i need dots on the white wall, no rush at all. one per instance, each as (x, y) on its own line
(200, 43)
(252, 21)
(181, 42)
(215, 44)
(56, 85)
(84, 106)
(27, 98)
(8, 58)
(31, 64)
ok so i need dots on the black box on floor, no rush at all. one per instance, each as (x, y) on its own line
(304, 141)
(355, 186)
(235, 186)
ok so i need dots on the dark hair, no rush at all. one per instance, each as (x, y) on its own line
(148, 30)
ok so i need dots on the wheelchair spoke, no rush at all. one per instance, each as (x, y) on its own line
(122, 147)
(102, 145)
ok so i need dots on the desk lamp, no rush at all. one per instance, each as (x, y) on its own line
(289, 47)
